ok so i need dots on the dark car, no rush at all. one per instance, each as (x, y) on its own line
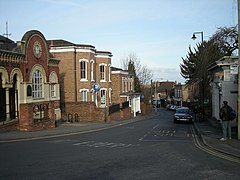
(183, 114)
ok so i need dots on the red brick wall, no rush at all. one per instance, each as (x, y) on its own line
(26, 121)
(116, 86)
(86, 111)
(115, 116)
(126, 113)
(25, 117)
(12, 126)
(123, 114)
(146, 108)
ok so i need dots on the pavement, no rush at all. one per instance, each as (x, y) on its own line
(209, 131)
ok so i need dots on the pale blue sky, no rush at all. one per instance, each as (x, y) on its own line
(158, 31)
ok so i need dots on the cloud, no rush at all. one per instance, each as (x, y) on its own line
(170, 74)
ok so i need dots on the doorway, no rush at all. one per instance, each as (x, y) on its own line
(13, 95)
(3, 100)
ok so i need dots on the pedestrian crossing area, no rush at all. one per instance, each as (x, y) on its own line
(158, 133)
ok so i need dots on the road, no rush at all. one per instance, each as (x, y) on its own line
(154, 148)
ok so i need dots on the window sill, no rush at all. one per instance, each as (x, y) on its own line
(83, 80)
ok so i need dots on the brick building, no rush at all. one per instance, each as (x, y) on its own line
(82, 70)
(29, 87)
(123, 89)
(122, 85)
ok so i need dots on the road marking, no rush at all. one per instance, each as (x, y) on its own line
(155, 127)
(103, 144)
(200, 145)
(155, 133)
(77, 144)
(73, 133)
(166, 140)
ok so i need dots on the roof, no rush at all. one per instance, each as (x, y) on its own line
(63, 43)
(224, 61)
(3, 40)
(7, 44)
(166, 85)
(104, 53)
(59, 42)
(116, 69)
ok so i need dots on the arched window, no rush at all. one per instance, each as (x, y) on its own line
(84, 94)
(103, 97)
(29, 90)
(37, 85)
(53, 84)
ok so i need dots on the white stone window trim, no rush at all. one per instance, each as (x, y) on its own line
(53, 80)
(105, 102)
(92, 92)
(43, 73)
(84, 90)
(37, 84)
(104, 75)
(110, 95)
(109, 73)
(86, 70)
(92, 62)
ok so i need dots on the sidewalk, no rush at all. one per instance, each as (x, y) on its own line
(211, 134)
(65, 129)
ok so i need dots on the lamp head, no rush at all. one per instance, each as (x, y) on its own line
(194, 37)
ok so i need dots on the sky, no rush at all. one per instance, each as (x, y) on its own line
(158, 32)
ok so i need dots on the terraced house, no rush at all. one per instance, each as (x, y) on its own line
(29, 87)
(85, 78)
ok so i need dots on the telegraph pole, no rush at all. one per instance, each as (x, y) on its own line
(238, 70)
(7, 34)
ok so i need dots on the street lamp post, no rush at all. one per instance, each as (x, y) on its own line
(202, 80)
(194, 35)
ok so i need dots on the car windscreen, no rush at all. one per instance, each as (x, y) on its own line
(182, 111)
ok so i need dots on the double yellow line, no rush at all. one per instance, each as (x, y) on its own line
(200, 145)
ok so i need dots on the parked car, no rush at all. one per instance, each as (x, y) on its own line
(171, 107)
(168, 106)
(182, 114)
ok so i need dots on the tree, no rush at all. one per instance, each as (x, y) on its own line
(194, 67)
(142, 74)
(132, 70)
(188, 66)
(226, 38)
